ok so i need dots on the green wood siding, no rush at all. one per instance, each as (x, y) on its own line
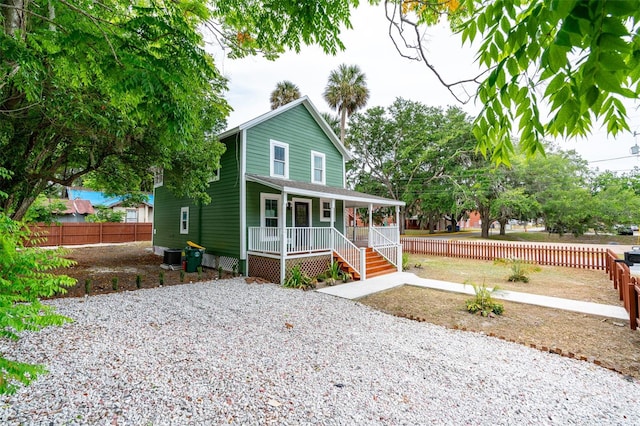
(299, 130)
(215, 226)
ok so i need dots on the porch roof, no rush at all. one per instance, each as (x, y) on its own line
(351, 198)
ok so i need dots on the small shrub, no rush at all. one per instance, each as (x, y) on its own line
(321, 277)
(298, 279)
(347, 277)
(418, 265)
(330, 281)
(405, 260)
(334, 271)
(138, 281)
(235, 269)
(519, 269)
(181, 275)
(87, 286)
(114, 283)
(161, 278)
(483, 303)
(219, 272)
(199, 270)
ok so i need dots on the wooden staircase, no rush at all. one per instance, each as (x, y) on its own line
(376, 265)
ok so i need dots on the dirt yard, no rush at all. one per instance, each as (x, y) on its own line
(101, 265)
(600, 340)
(605, 341)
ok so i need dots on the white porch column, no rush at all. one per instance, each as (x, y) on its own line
(398, 239)
(370, 224)
(363, 263)
(283, 238)
(333, 225)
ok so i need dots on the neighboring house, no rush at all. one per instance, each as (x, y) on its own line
(133, 214)
(279, 200)
(75, 210)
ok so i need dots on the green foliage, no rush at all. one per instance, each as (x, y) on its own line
(199, 271)
(139, 281)
(219, 272)
(405, 260)
(161, 278)
(24, 279)
(114, 283)
(519, 269)
(44, 210)
(182, 273)
(346, 277)
(87, 287)
(483, 302)
(582, 53)
(298, 279)
(346, 92)
(334, 271)
(104, 214)
(284, 93)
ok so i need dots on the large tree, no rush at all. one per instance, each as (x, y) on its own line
(284, 93)
(346, 92)
(116, 87)
(578, 57)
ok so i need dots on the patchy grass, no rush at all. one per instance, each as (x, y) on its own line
(545, 237)
(609, 342)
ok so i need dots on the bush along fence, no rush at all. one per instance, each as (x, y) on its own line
(68, 234)
(572, 257)
(628, 287)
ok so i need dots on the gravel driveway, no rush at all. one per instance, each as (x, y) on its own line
(229, 352)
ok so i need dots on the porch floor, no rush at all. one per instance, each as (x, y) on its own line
(358, 289)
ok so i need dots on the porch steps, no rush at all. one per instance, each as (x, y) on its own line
(376, 265)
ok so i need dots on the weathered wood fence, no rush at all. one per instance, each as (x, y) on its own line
(68, 234)
(572, 257)
(628, 287)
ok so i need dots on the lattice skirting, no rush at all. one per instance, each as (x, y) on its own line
(227, 263)
(269, 268)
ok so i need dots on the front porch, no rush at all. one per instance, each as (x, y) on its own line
(363, 252)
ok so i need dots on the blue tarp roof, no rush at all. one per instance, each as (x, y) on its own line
(98, 198)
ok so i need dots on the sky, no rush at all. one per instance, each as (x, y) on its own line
(368, 45)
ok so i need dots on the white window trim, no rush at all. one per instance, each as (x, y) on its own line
(322, 218)
(324, 168)
(158, 177)
(216, 176)
(182, 211)
(269, 196)
(272, 145)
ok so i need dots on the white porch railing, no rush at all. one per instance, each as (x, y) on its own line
(348, 251)
(361, 234)
(385, 246)
(299, 240)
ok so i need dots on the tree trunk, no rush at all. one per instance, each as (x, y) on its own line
(486, 220)
(503, 226)
(343, 124)
(13, 14)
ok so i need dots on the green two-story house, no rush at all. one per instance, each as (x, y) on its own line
(280, 200)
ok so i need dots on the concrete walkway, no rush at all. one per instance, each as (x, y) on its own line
(358, 289)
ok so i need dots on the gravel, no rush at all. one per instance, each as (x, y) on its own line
(231, 352)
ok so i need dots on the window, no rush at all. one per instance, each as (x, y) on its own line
(184, 220)
(279, 160)
(132, 215)
(269, 210)
(216, 176)
(317, 168)
(325, 210)
(158, 176)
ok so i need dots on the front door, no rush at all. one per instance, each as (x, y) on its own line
(301, 221)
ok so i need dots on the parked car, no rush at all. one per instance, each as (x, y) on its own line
(634, 227)
(625, 230)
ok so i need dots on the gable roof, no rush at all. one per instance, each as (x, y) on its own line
(74, 206)
(352, 198)
(304, 101)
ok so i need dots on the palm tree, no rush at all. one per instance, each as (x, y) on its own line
(284, 93)
(346, 92)
(332, 120)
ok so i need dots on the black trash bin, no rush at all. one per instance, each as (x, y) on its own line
(632, 256)
(172, 257)
(192, 258)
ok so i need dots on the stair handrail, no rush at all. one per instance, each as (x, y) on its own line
(386, 244)
(349, 252)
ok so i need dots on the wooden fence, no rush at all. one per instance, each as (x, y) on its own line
(572, 257)
(628, 287)
(69, 234)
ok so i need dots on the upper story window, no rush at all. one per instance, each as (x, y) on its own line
(158, 176)
(279, 166)
(318, 167)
